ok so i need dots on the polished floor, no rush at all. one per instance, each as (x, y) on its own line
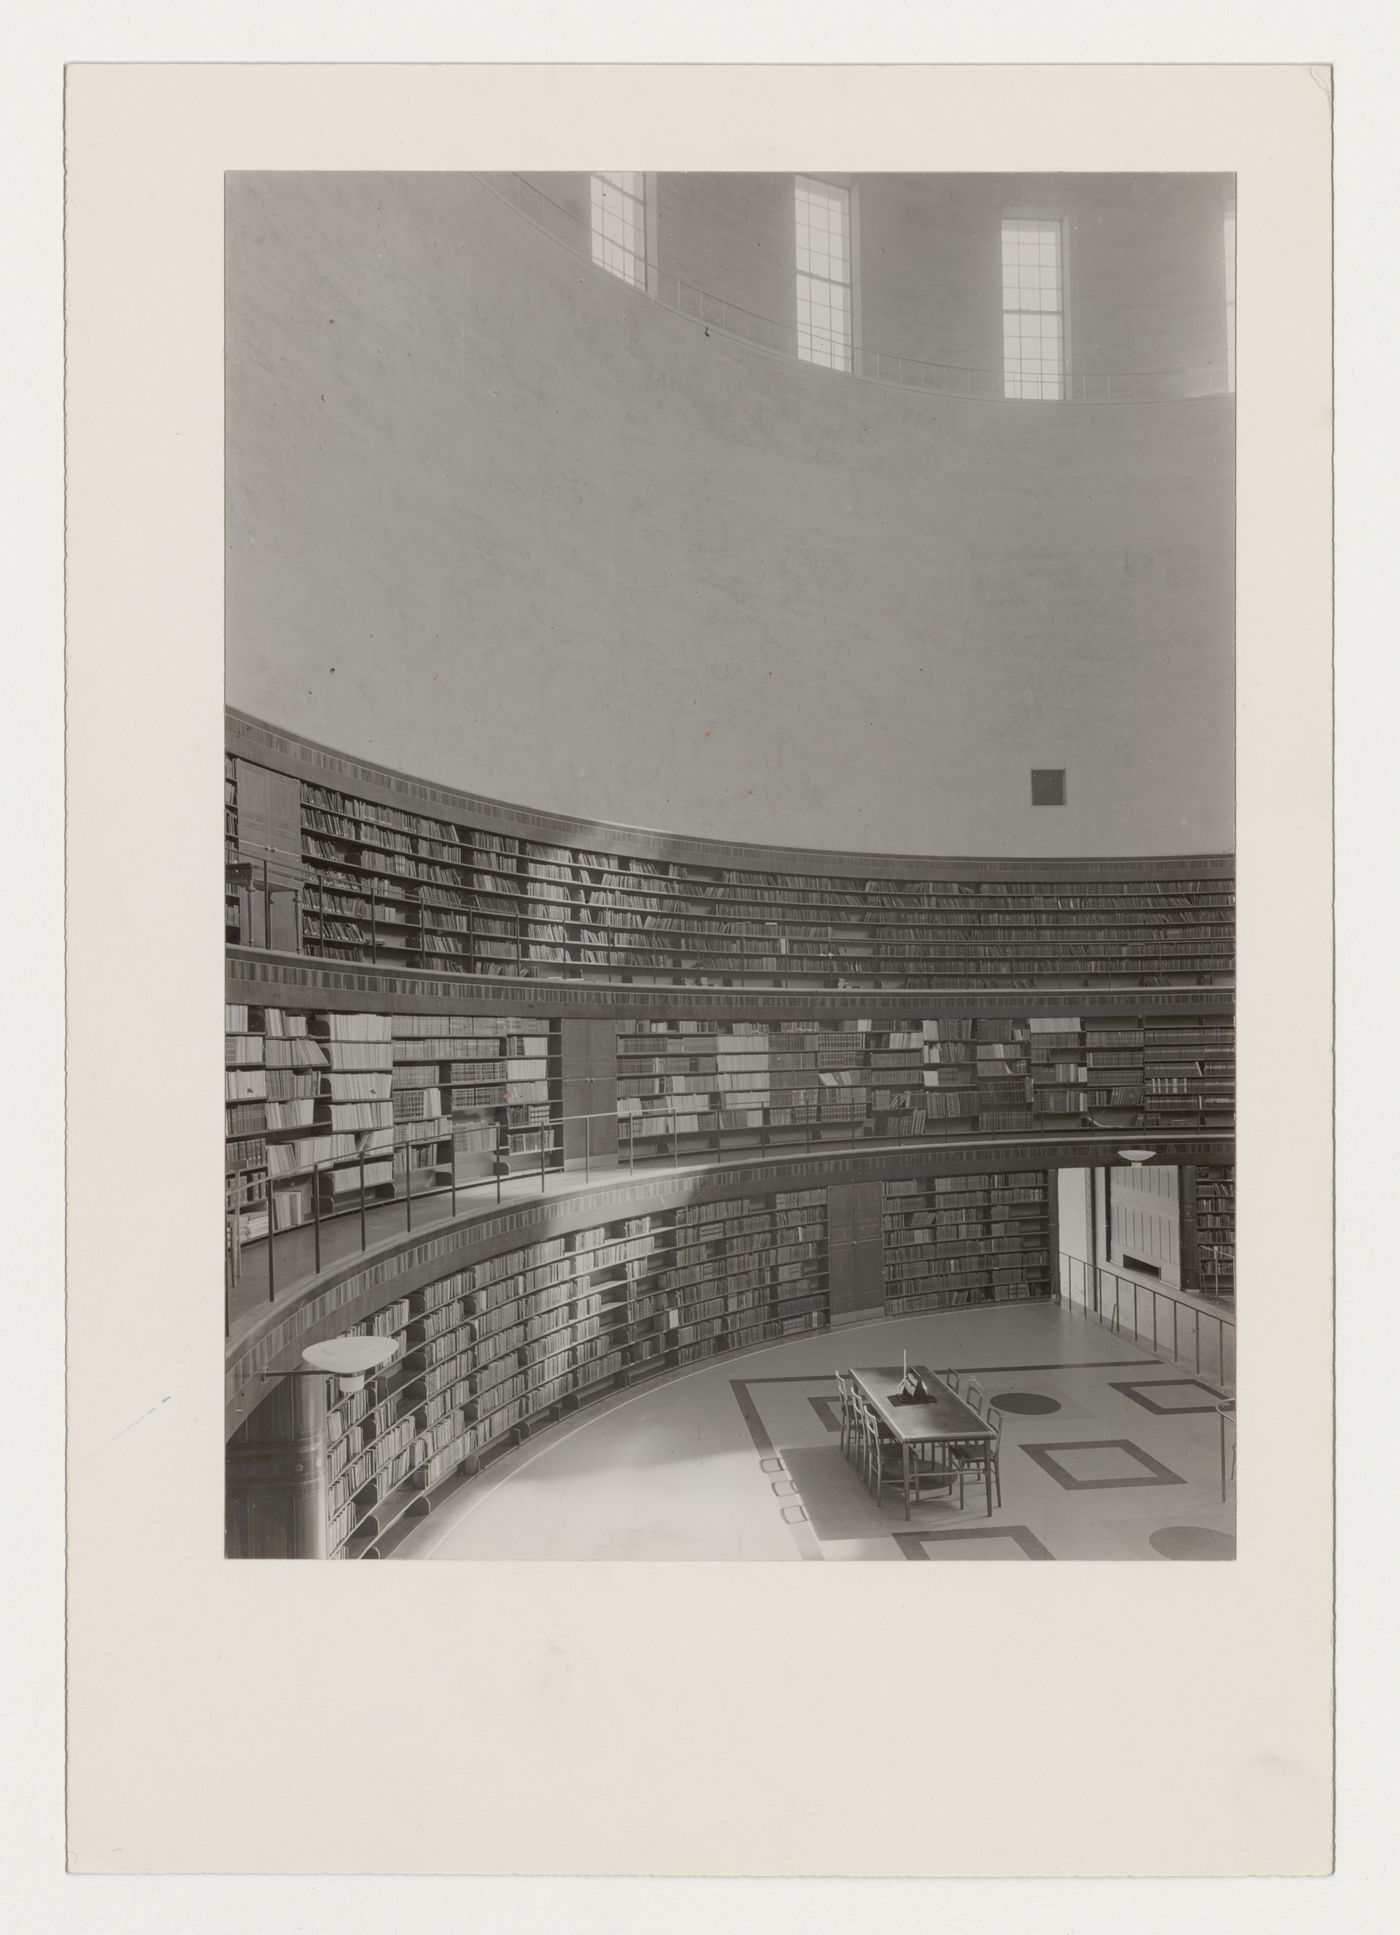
(1108, 1452)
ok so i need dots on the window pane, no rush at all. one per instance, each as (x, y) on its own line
(823, 259)
(618, 209)
(1032, 306)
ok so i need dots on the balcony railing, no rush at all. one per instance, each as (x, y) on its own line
(1172, 1325)
(263, 1261)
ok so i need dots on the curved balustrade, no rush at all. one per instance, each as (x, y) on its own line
(350, 1114)
(262, 1266)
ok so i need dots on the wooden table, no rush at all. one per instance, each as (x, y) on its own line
(945, 1421)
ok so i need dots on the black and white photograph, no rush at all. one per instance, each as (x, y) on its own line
(729, 866)
(736, 753)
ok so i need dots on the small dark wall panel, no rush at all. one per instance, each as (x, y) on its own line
(855, 1248)
(276, 1476)
(588, 1065)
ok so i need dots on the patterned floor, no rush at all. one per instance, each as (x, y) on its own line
(1107, 1453)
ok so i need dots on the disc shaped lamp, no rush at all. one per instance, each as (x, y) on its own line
(350, 1360)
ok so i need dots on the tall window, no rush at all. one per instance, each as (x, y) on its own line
(619, 208)
(1032, 308)
(823, 273)
(1230, 297)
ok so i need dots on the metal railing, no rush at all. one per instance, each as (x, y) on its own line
(1229, 1431)
(608, 1141)
(872, 366)
(1173, 1325)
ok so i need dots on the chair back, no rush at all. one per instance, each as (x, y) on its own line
(869, 1420)
(974, 1395)
(846, 1393)
(952, 1379)
(994, 1420)
(861, 1421)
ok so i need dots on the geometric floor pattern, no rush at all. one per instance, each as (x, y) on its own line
(1171, 1396)
(1112, 1454)
(1100, 1464)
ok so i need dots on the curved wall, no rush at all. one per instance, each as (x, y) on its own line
(495, 516)
(1145, 253)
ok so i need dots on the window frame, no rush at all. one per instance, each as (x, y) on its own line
(646, 203)
(851, 286)
(1060, 220)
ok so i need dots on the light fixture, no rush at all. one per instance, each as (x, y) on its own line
(350, 1359)
(1137, 1157)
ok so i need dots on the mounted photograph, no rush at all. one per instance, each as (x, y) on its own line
(729, 866)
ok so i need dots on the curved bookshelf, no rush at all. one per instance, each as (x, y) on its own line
(334, 1112)
(475, 887)
(508, 1323)
(757, 1058)
(512, 1344)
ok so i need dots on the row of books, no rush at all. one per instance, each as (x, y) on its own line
(356, 818)
(330, 1077)
(1030, 927)
(495, 1345)
(965, 1236)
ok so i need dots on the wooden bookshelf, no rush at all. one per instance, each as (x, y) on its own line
(245, 1124)
(951, 1241)
(1215, 1230)
(779, 1083)
(1189, 1073)
(357, 1108)
(490, 1353)
(233, 903)
(730, 1083)
(386, 885)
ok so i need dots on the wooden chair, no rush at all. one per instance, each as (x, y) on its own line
(952, 1379)
(974, 1395)
(872, 1438)
(970, 1462)
(884, 1464)
(869, 1433)
(846, 1391)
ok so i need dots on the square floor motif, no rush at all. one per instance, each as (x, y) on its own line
(973, 1542)
(1100, 1464)
(1171, 1396)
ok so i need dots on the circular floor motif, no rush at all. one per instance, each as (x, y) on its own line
(1028, 1404)
(1192, 1542)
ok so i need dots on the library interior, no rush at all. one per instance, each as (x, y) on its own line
(728, 867)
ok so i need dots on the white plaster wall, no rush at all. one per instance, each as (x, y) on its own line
(496, 519)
